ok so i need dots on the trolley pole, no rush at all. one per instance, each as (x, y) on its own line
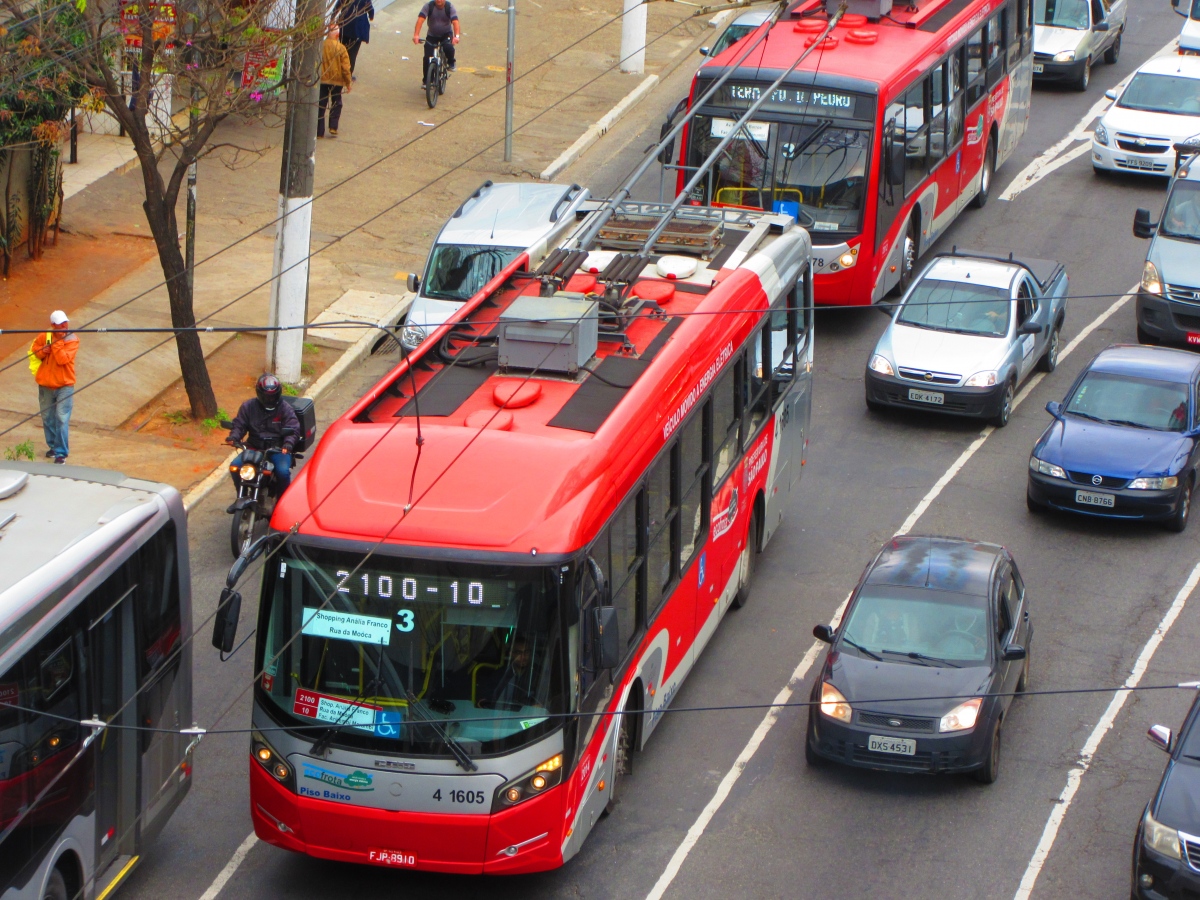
(508, 85)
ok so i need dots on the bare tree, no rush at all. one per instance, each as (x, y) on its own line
(136, 57)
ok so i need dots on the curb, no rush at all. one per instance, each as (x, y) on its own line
(355, 353)
(599, 128)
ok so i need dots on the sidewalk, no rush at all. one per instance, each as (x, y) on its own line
(128, 420)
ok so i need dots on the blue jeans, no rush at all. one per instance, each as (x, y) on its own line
(56, 405)
(283, 468)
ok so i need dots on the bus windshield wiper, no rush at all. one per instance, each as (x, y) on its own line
(860, 647)
(460, 755)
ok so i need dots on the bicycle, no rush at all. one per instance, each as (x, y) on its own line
(436, 76)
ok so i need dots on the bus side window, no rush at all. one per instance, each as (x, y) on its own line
(916, 136)
(157, 619)
(693, 470)
(662, 509)
(627, 557)
(954, 109)
(758, 382)
(975, 68)
(589, 600)
(937, 117)
(727, 420)
(1021, 38)
(995, 47)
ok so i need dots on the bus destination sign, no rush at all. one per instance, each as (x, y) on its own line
(803, 100)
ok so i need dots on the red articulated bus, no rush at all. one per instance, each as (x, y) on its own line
(453, 629)
(878, 139)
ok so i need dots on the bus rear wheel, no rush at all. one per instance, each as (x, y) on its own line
(56, 887)
(908, 258)
(986, 176)
(749, 561)
(623, 761)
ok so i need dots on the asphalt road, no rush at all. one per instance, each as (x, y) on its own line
(1098, 593)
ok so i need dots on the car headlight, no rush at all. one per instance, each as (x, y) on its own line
(247, 472)
(833, 703)
(1064, 56)
(1101, 134)
(1151, 282)
(982, 379)
(1045, 468)
(962, 717)
(412, 335)
(1159, 837)
(881, 365)
(1162, 483)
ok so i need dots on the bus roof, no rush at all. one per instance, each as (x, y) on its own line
(53, 521)
(518, 462)
(888, 51)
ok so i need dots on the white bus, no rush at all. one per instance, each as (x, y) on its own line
(95, 611)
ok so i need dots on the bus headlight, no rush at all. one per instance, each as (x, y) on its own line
(247, 472)
(266, 756)
(847, 259)
(1065, 56)
(1151, 282)
(545, 775)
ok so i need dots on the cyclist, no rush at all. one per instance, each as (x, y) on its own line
(443, 29)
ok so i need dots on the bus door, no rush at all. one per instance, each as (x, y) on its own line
(791, 395)
(975, 124)
(110, 610)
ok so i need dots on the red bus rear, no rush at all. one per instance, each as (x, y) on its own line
(878, 139)
(452, 633)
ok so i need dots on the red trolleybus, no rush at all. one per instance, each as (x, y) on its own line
(452, 628)
(876, 142)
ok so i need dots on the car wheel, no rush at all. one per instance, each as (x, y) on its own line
(979, 201)
(1113, 53)
(1099, 172)
(1145, 337)
(990, 770)
(1023, 681)
(1002, 414)
(873, 405)
(810, 755)
(1032, 505)
(749, 562)
(1049, 360)
(1178, 522)
(1085, 76)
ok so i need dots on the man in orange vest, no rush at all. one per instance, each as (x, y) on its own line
(55, 376)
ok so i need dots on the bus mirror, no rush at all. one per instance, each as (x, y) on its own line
(249, 555)
(229, 609)
(668, 151)
(608, 638)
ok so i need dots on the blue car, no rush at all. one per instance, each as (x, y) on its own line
(1124, 442)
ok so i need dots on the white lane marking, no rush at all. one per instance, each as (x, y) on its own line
(236, 860)
(768, 721)
(1087, 754)
(739, 765)
(1049, 160)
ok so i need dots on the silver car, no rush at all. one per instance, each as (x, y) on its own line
(1071, 36)
(967, 333)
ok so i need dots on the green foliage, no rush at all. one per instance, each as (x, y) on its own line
(23, 450)
(178, 417)
(291, 390)
(36, 90)
(311, 348)
(212, 424)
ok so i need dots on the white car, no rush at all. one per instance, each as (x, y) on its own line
(1071, 36)
(1189, 37)
(1157, 109)
(738, 29)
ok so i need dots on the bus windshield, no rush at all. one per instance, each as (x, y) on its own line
(401, 643)
(1062, 13)
(459, 271)
(812, 170)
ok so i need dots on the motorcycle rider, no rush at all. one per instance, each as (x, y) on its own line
(267, 421)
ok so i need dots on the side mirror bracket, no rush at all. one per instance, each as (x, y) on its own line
(824, 633)
(1054, 408)
(1160, 736)
(1014, 653)
(1143, 225)
(413, 282)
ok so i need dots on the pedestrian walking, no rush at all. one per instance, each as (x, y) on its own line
(335, 78)
(443, 29)
(355, 18)
(52, 360)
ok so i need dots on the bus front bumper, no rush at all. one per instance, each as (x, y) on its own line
(525, 838)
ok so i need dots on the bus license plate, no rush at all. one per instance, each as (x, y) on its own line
(1093, 499)
(903, 746)
(392, 858)
(1038, 68)
(926, 396)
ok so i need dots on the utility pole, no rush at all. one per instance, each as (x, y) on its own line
(508, 86)
(289, 271)
(633, 37)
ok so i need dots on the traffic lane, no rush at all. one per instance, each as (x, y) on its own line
(949, 836)
(214, 818)
(1101, 823)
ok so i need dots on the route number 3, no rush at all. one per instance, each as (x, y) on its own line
(407, 620)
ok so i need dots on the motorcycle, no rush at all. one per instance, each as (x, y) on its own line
(257, 492)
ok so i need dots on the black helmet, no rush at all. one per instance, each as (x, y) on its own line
(268, 390)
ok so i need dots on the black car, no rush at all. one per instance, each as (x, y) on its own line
(920, 674)
(1166, 851)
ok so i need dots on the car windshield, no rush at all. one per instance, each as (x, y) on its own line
(1171, 94)
(813, 171)
(473, 648)
(1127, 400)
(459, 271)
(957, 306)
(936, 624)
(1181, 218)
(729, 36)
(1061, 13)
